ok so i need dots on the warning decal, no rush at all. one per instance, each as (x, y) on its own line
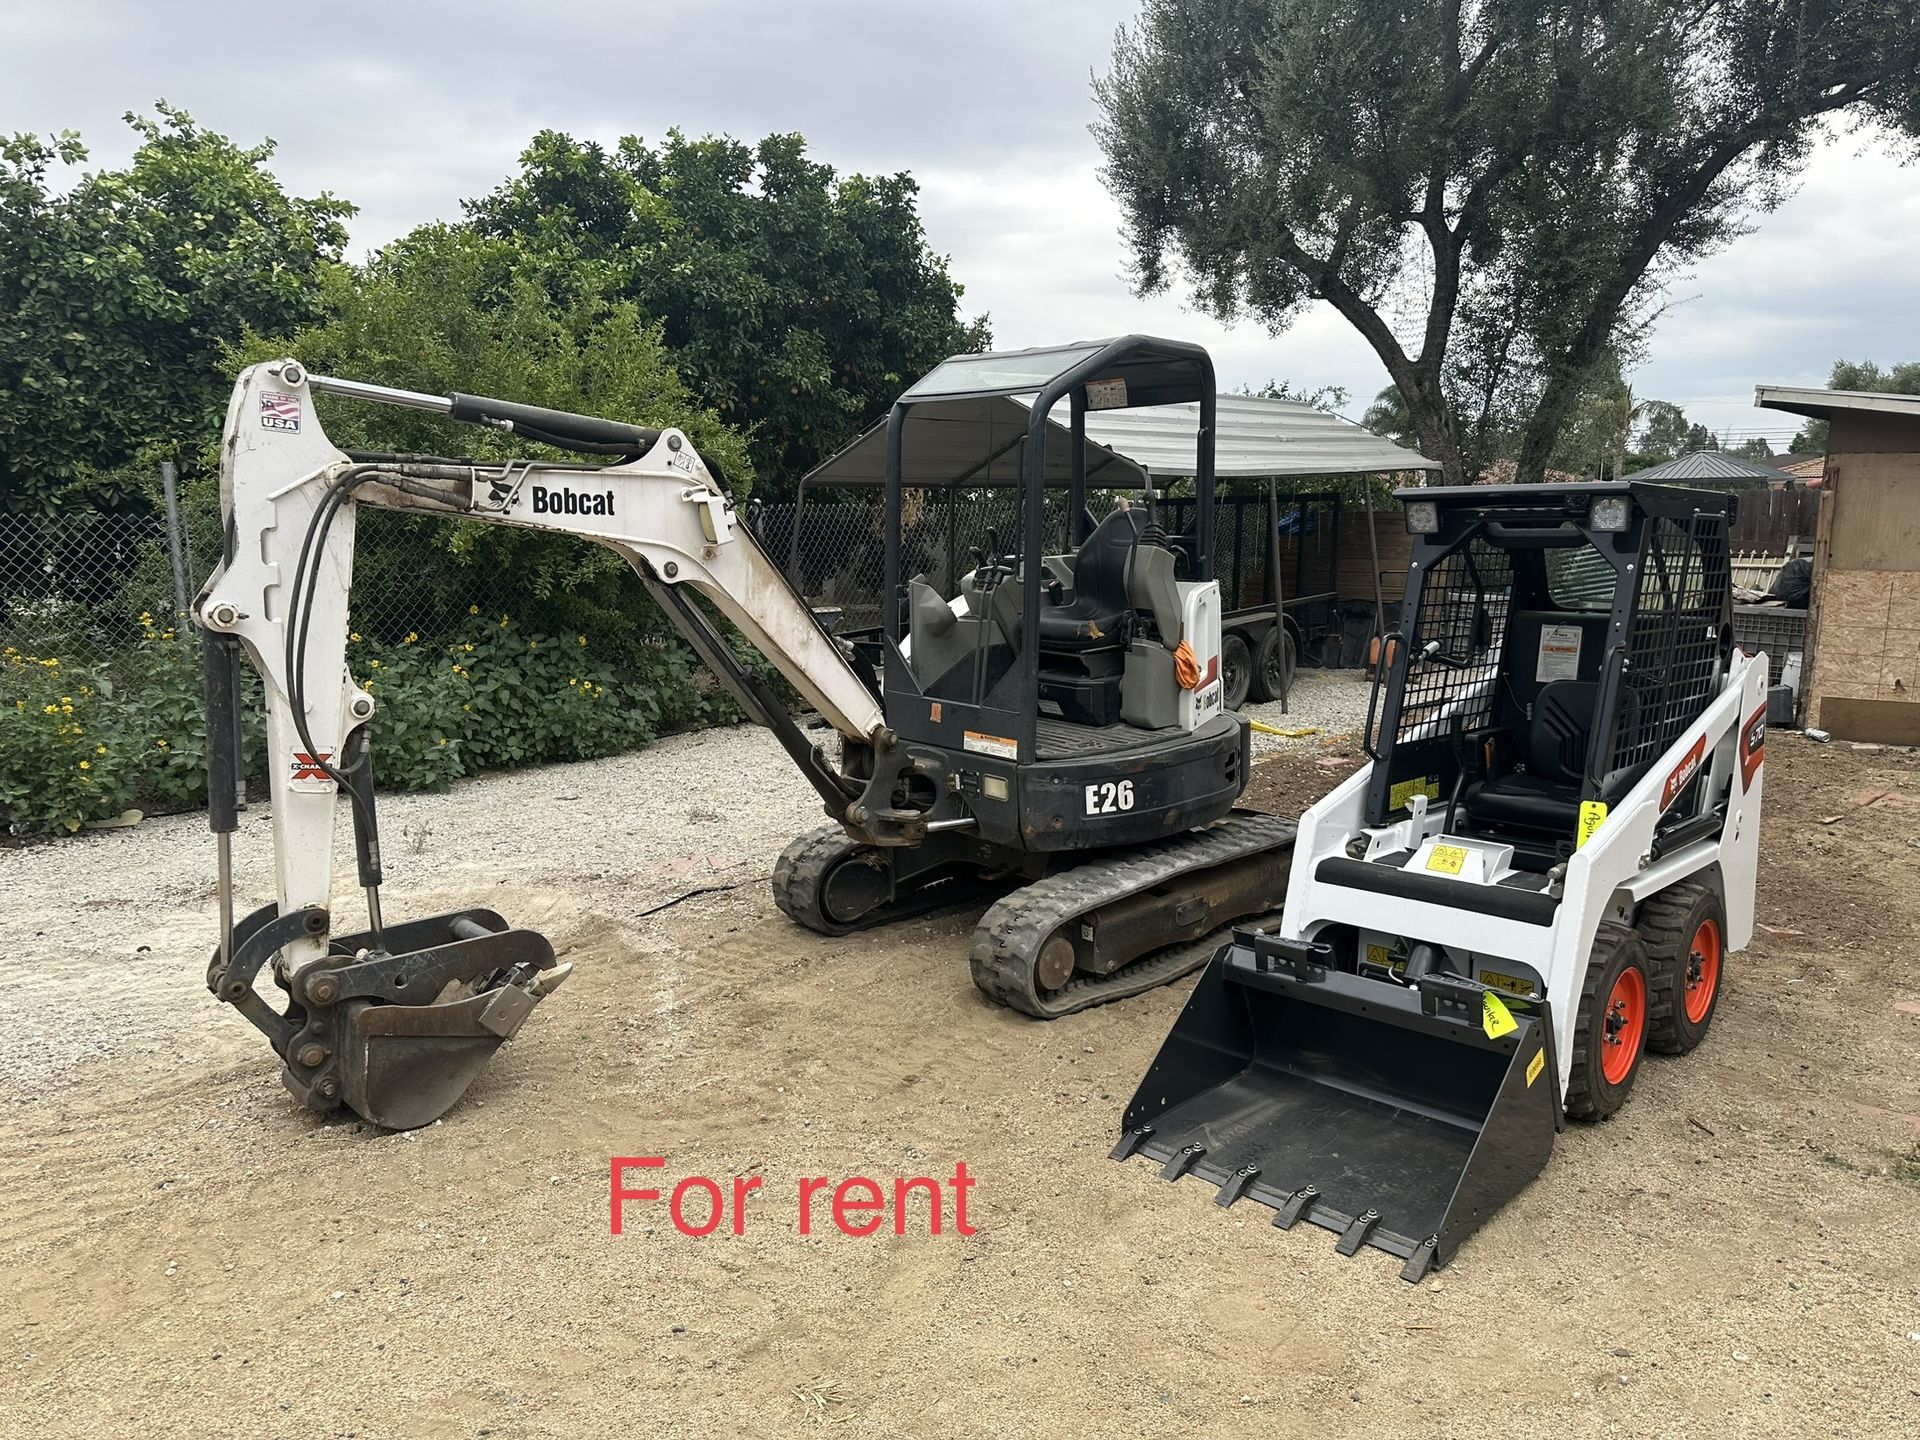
(1447, 859)
(998, 745)
(1559, 653)
(1535, 1065)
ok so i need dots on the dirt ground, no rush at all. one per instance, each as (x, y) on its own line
(186, 1252)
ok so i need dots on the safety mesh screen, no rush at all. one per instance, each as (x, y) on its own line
(1472, 582)
(1673, 641)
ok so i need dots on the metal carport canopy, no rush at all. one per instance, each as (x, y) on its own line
(976, 442)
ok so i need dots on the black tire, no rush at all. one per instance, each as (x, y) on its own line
(1274, 664)
(1236, 672)
(1602, 1074)
(1684, 928)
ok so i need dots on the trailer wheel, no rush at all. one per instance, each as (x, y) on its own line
(1236, 671)
(1684, 928)
(1610, 1028)
(1273, 664)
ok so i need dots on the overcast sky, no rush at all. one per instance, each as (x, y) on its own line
(408, 106)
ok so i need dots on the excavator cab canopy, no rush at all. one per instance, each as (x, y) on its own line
(1001, 696)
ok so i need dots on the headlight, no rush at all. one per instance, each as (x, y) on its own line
(1423, 518)
(1609, 513)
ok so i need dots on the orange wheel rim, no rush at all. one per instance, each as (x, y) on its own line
(1625, 1025)
(1703, 970)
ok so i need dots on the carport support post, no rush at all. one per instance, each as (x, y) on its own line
(1273, 569)
(1373, 550)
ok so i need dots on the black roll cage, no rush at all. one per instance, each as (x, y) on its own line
(1156, 372)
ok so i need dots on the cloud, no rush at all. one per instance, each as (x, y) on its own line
(407, 108)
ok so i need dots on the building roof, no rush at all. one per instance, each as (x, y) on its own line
(1710, 466)
(1825, 404)
(975, 441)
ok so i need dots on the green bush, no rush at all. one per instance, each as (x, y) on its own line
(61, 761)
(79, 745)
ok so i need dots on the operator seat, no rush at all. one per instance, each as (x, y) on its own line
(1092, 619)
(1546, 795)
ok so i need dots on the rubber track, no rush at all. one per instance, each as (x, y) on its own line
(801, 871)
(1007, 943)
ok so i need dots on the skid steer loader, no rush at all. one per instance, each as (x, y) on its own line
(1057, 722)
(1536, 879)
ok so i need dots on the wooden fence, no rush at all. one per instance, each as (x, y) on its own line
(1770, 519)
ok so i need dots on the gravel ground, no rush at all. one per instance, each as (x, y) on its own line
(1331, 703)
(1733, 1255)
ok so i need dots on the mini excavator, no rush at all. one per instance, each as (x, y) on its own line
(1053, 730)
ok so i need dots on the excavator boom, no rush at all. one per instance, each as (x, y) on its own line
(396, 1021)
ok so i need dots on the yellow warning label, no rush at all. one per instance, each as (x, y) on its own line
(1593, 814)
(1495, 1018)
(1534, 1065)
(999, 746)
(1512, 984)
(1400, 794)
(1447, 859)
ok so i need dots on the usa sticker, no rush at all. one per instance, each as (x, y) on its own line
(279, 411)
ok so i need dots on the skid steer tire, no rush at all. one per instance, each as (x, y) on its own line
(1684, 929)
(1610, 1028)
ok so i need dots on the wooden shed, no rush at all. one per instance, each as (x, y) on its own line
(1864, 630)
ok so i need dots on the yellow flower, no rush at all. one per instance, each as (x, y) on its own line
(443, 739)
(354, 637)
(66, 709)
(166, 634)
(162, 745)
(468, 647)
(467, 708)
(503, 622)
(99, 749)
(583, 640)
(473, 609)
(533, 645)
(376, 664)
(66, 699)
(86, 765)
(146, 619)
(411, 638)
(53, 710)
(458, 670)
(573, 682)
(51, 664)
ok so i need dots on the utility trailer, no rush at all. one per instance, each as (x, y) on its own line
(1537, 878)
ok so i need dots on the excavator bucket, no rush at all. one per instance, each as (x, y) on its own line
(1384, 1112)
(394, 1025)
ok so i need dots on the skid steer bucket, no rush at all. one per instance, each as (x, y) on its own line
(1380, 1111)
(394, 1026)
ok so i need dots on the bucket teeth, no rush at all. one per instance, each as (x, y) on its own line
(1181, 1161)
(1298, 1207)
(1357, 1231)
(1131, 1141)
(1421, 1261)
(1236, 1185)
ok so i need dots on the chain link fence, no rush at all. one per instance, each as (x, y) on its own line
(76, 586)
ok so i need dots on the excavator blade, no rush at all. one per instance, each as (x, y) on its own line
(394, 1026)
(1384, 1112)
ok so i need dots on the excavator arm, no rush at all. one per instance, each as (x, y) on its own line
(396, 1021)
